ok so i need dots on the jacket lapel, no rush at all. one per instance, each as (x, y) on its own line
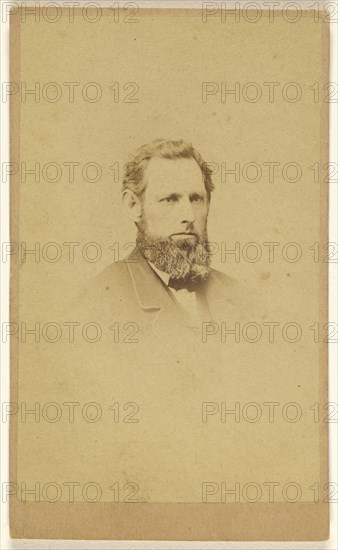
(153, 297)
(220, 298)
(150, 291)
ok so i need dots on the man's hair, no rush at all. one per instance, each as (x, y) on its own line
(162, 148)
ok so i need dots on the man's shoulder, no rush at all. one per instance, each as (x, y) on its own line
(231, 294)
(223, 278)
(116, 270)
(105, 289)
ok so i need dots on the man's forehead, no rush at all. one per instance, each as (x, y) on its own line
(174, 175)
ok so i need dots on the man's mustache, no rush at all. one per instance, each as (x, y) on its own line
(185, 233)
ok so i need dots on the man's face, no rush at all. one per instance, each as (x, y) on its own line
(172, 232)
(175, 203)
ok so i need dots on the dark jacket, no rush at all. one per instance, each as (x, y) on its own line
(133, 289)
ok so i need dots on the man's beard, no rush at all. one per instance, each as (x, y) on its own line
(184, 259)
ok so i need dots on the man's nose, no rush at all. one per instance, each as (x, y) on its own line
(186, 212)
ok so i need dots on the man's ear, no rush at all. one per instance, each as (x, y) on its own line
(133, 205)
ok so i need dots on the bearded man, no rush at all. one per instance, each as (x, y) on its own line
(167, 278)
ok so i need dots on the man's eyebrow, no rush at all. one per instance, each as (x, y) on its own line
(196, 194)
(171, 195)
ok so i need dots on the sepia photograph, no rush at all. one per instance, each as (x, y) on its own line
(167, 278)
(170, 329)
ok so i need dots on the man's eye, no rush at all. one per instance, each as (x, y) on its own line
(196, 198)
(169, 199)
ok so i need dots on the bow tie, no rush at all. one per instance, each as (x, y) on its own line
(178, 284)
